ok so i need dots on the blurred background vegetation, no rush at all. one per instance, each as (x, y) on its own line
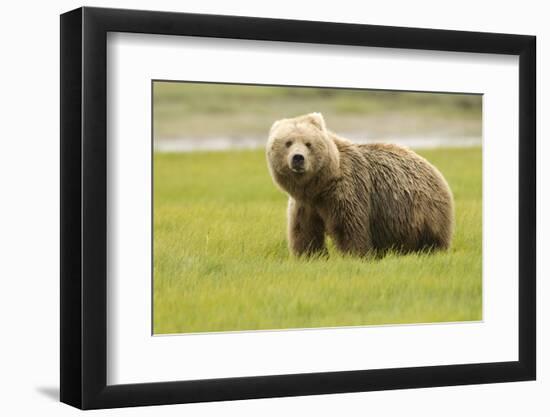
(194, 110)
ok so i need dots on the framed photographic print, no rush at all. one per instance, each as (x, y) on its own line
(257, 207)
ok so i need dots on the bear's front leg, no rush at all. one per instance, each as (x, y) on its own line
(306, 230)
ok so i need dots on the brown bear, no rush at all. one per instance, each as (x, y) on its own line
(368, 198)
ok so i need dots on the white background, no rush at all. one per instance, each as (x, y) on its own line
(134, 356)
(30, 205)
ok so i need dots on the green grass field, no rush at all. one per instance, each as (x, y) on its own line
(221, 261)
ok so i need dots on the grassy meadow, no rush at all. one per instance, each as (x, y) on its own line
(221, 262)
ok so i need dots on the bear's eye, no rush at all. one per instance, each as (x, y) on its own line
(288, 143)
(308, 144)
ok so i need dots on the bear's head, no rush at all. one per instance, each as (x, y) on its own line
(300, 151)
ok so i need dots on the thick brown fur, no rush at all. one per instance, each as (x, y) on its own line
(367, 198)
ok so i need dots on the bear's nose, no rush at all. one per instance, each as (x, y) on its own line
(298, 158)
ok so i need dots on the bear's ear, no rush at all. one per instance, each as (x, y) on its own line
(273, 126)
(317, 120)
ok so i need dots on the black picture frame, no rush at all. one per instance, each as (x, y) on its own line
(84, 207)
